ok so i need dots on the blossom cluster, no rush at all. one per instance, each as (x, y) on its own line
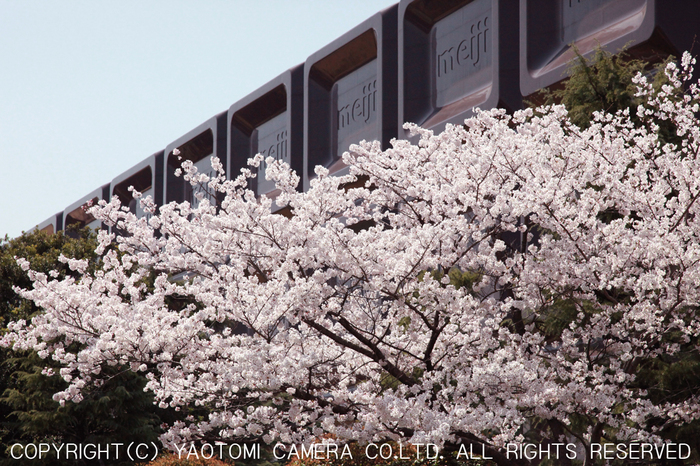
(512, 277)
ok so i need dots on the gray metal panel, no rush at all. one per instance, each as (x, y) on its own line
(268, 121)
(147, 178)
(52, 224)
(144, 178)
(350, 93)
(454, 56)
(75, 213)
(199, 145)
(652, 29)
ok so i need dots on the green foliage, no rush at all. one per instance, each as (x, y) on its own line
(674, 380)
(603, 83)
(458, 278)
(117, 411)
(42, 250)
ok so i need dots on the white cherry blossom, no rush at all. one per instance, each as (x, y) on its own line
(339, 319)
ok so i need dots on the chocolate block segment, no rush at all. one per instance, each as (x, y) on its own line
(350, 93)
(269, 121)
(52, 224)
(356, 114)
(454, 56)
(462, 58)
(146, 177)
(75, 215)
(549, 32)
(198, 146)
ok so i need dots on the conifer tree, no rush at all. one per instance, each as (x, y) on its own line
(118, 411)
(604, 83)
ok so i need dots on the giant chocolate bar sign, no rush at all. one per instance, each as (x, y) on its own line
(455, 56)
(269, 122)
(197, 146)
(350, 93)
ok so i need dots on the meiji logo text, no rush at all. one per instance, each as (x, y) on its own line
(277, 149)
(361, 109)
(468, 52)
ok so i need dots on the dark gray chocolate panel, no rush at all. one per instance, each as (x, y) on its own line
(652, 29)
(350, 93)
(146, 177)
(75, 216)
(454, 56)
(198, 145)
(269, 121)
(52, 224)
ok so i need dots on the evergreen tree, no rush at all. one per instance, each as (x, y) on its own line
(117, 411)
(605, 83)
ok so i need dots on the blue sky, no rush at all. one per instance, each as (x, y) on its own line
(88, 89)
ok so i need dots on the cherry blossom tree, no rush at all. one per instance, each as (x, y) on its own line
(514, 279)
